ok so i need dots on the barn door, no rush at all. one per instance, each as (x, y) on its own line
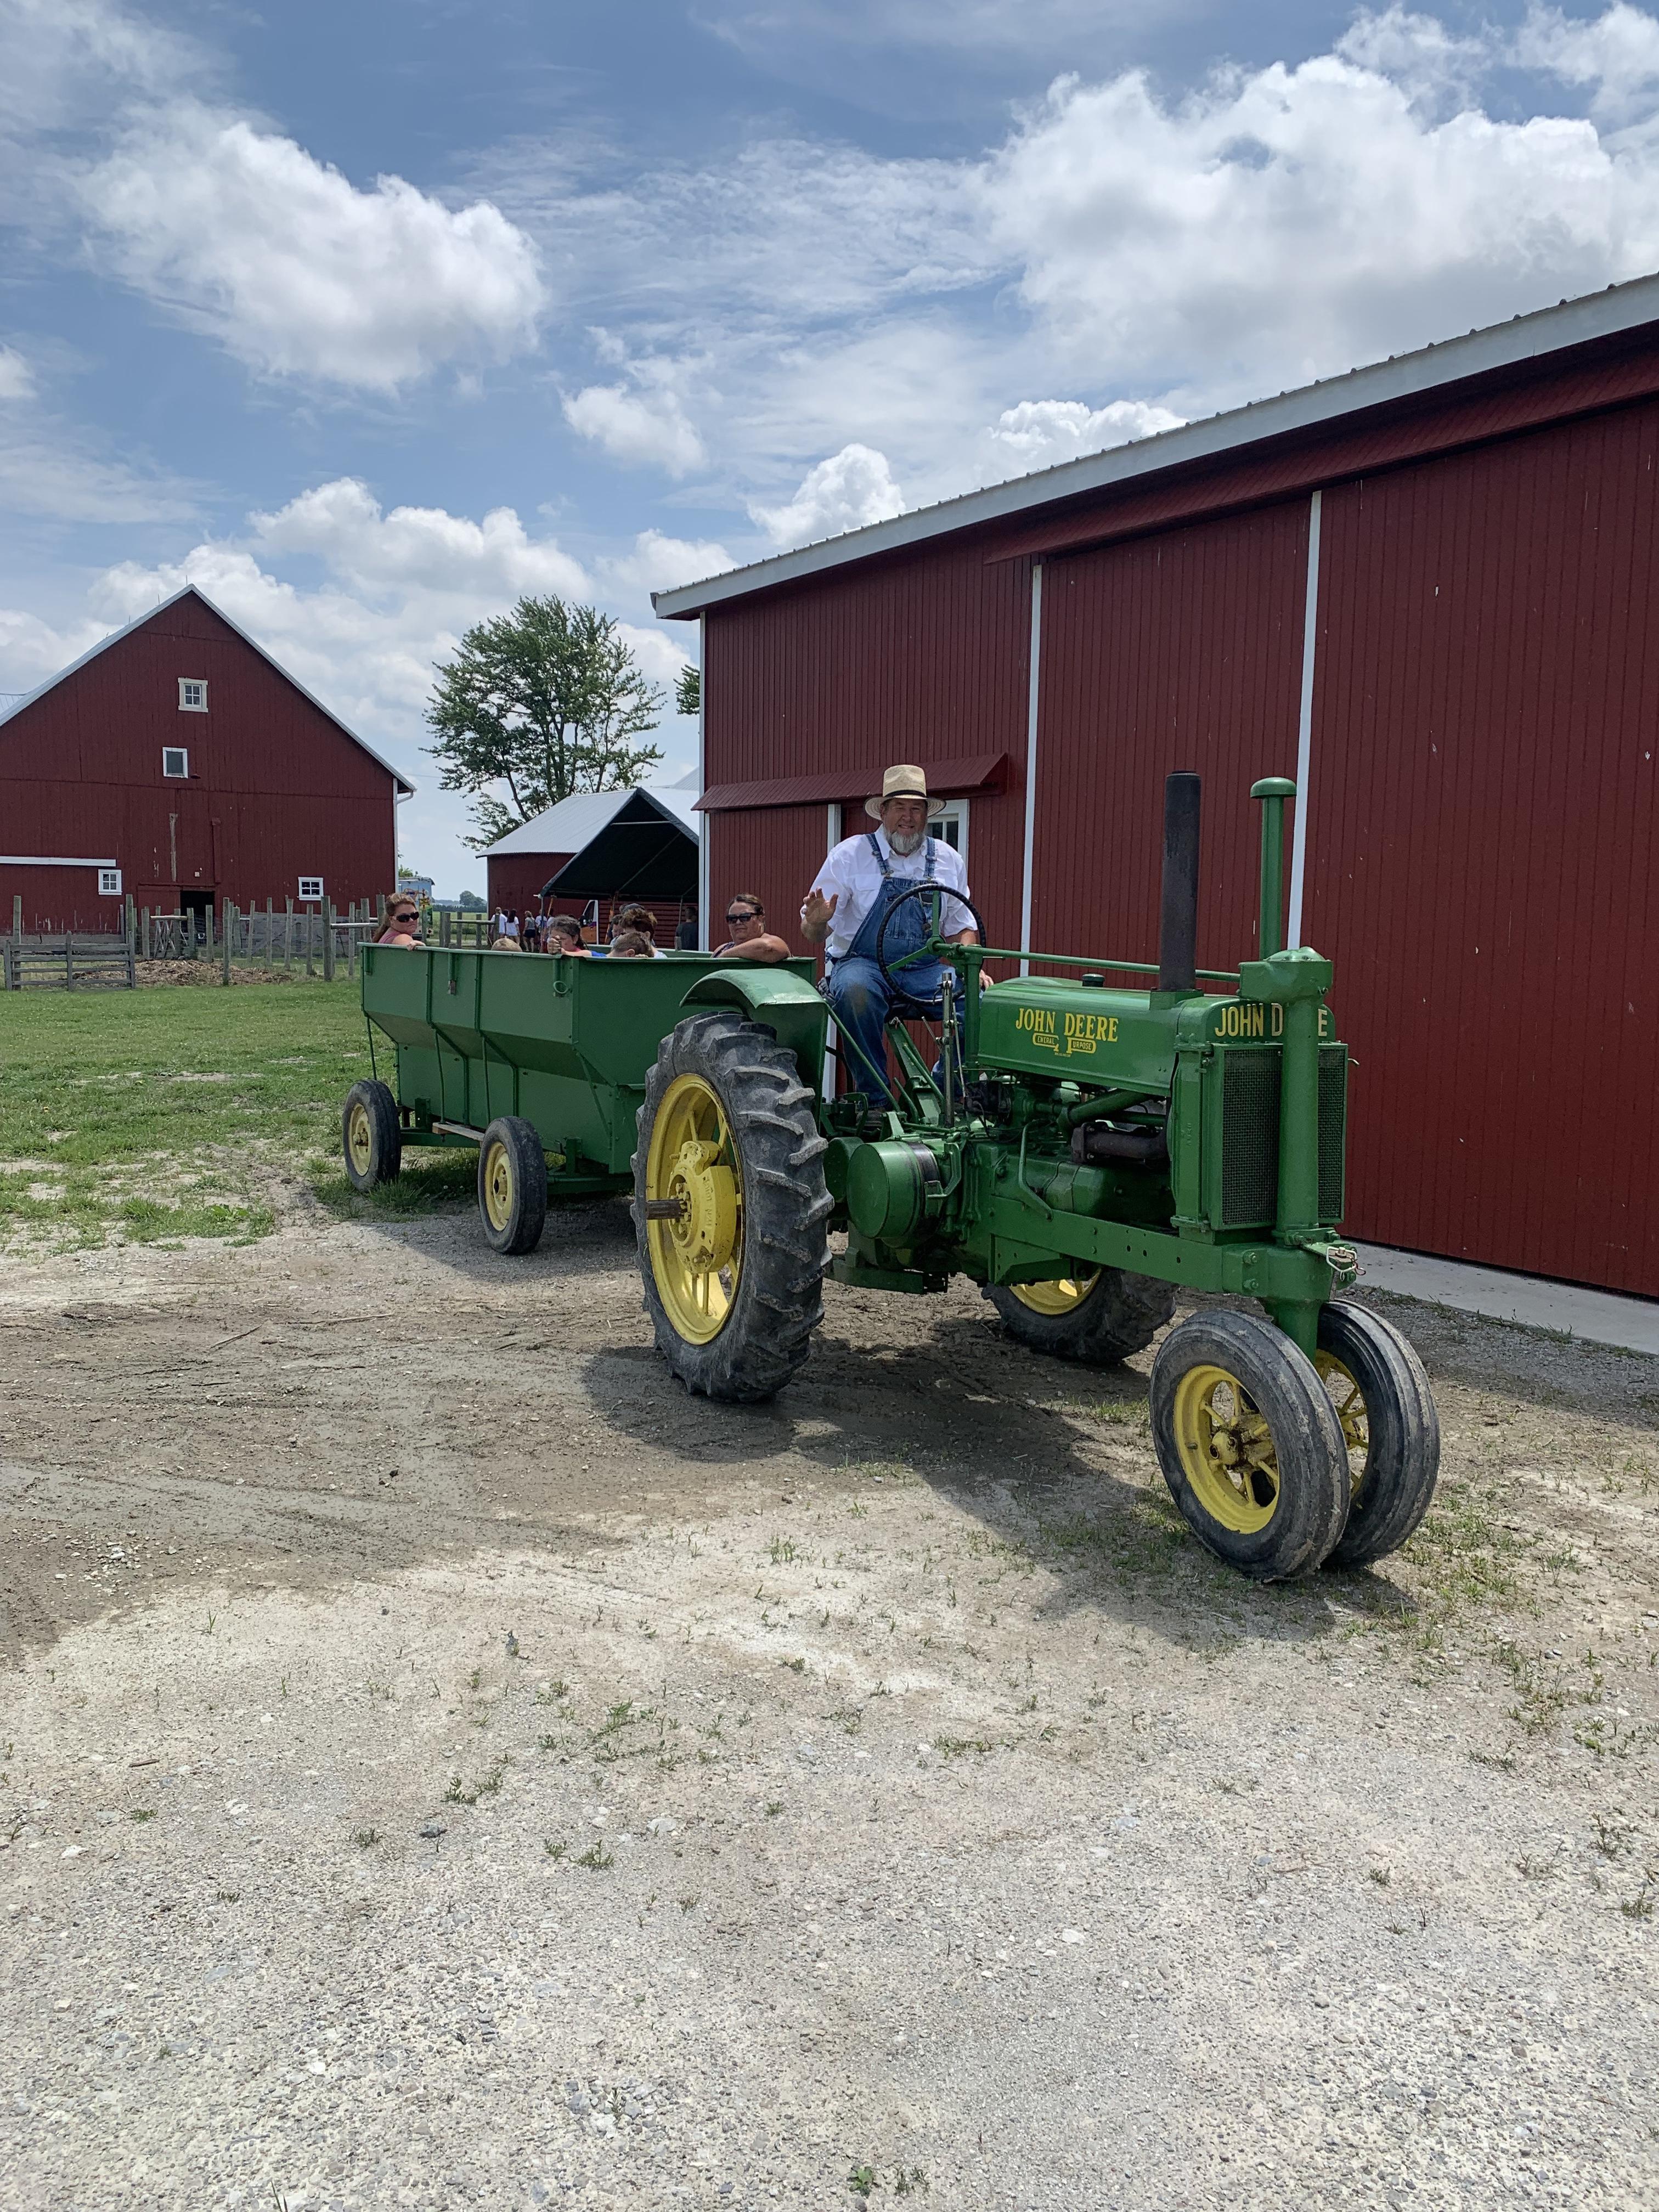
(194, 858)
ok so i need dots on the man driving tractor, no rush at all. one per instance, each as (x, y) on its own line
(862, 878)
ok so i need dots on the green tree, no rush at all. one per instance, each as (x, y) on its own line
(541, 702)
(471, 902)
(687, 690)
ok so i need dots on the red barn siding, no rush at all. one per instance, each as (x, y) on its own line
(1485, 829)
(916, 661)
(516, 880)
(1484, 842)
(1180, 651)
(276, 788)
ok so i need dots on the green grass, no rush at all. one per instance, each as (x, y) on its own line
(131, 1116)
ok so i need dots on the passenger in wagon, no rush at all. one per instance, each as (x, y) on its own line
(750, 940)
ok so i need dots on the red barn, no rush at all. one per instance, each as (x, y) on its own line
(1424, 590)
(176, 764)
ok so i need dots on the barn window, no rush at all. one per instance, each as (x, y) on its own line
(193, 695)
(310, 888)
(951, 825)
(109, 883)
(175, 761)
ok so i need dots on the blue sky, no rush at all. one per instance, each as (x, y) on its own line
(371, 318)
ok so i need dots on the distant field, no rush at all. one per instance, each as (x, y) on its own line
(136, 1115)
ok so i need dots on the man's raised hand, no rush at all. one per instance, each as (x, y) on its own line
(816, 915)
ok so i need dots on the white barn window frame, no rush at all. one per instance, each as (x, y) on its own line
(311, 890)
(175, 763)
(193, 695)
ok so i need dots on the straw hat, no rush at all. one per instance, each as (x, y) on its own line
(904, 781)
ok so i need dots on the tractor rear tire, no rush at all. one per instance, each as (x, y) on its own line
(1249, 1443)
(512, 1185)
(1096, 1322)
(370, 1138)
(1389, 1423)
(730, 1207)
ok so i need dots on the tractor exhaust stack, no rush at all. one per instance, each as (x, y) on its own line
(1177, 934)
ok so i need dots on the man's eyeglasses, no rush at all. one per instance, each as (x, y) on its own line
(742, 913)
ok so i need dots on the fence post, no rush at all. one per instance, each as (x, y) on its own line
(69, 960)
(269, 919)
(227, 938)
(17, 920)
(144, 928)
(132, 961)
(311, 965)
(328, 940)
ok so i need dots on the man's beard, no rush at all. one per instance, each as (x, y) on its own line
(906, 842)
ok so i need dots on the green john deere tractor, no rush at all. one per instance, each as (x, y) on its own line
(1084, 1151)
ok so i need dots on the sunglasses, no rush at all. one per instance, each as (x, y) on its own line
(742, 913)
(405, 917)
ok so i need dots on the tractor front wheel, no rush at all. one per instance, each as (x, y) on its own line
(369, 1136)
(1250, 1442)
(729, 1208)
(1389, 1425)
(1096, 1319)
(512, 1185)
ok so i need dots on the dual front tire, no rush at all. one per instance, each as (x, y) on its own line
(1281, 1463)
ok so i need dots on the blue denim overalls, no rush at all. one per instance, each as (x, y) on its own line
(859, 997)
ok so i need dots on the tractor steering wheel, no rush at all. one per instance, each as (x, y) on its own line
(889, 971)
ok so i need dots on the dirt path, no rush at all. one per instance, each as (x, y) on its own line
(441, 1763)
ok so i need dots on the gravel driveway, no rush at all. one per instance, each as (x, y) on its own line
(441, 1764)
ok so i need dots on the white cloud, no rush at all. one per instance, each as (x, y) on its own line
(32, 649)
(1290, 223)
(16, 378)
(658, 563)
(1616, 56)
(416, 548)
(1181, 253)
(851, 488)
(243, 234)
(1039, 433)
(649, 432)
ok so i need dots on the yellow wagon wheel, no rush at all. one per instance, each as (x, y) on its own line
(371, 1141)
(694, 1208)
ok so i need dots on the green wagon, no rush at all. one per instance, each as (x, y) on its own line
(537, 1061)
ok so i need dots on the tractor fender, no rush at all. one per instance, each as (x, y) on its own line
(787, 1003)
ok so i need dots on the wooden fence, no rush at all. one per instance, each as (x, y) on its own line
(70, 966)
(306, 940)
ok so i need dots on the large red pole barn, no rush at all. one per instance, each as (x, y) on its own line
(176, 764)
(1425, 589)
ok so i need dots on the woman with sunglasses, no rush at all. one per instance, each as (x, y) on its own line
(745, 917)
(403, 922)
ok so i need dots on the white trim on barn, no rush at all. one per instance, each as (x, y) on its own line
(49, 860)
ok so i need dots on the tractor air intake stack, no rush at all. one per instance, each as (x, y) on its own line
(1177, 934)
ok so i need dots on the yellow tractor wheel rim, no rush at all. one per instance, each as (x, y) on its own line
(697, 1251)
(1227, 1451)
(498, 1187)
(360, 1137)
(1055, 1298)
(1349, 1400)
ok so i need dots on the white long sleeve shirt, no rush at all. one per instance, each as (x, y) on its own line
(852, 876)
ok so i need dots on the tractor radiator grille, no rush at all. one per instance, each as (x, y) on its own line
(1249, 1135)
